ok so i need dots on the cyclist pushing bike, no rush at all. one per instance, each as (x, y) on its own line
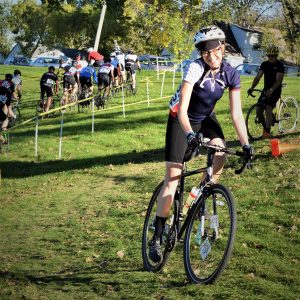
(192, 112)
(273, 71)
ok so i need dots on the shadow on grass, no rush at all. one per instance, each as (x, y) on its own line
(84, 275)
(19, 169)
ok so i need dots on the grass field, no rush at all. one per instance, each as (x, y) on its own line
(71, 228)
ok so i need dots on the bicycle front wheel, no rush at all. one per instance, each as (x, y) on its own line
(148, 232)
(255, 121)
(288, 115)
(210, 235)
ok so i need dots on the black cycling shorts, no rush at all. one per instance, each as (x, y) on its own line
(46, 89)
(116, 72)
(86, 81)
(103, 79)
(176, 143)
(3, 115)
(271, 101)
(130, 68)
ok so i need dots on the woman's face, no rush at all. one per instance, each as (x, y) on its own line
(213, 57)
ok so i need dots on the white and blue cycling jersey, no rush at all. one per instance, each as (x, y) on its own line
(115, 62)
(89, 72)
(207, 88)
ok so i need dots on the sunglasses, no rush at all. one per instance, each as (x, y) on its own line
(272, 55)
(213, 51)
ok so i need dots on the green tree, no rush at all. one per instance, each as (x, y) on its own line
(30, 23)
(6, 43)
(155, 25)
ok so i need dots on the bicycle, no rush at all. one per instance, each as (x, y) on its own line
(286, 115)
(41, 105)
(16, 110)
(68, 96)
(129, 90)
(209, 225)
(84, 93)
(101, 100)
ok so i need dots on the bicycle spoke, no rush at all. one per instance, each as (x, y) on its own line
(254, 121)
(148, 232)
(210, 235)
(288, 115)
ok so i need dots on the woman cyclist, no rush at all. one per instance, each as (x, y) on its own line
(192, 111)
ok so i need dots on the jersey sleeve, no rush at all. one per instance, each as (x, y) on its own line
(193, 72)
(263, 67)
(235, 81)
(280, 68)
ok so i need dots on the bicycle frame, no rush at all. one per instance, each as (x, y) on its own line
(211, 150)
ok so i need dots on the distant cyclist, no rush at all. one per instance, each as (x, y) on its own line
(17, 80)
(273, 71)
(131, 60)
(70, 85)
(117, 71)
(8, 83)
(48, 82)
(106, 76)
(5, 100)
(78, 62)
(121, 59)
(94, 56)
(86, 77)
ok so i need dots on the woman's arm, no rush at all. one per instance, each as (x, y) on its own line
(237, 116)
(185, 96)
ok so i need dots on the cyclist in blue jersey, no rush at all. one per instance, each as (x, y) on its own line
(191, 112)
(86, 77)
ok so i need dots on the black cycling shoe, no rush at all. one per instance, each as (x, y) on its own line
(155, 251)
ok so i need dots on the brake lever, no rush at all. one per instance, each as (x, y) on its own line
(246, 164)
(241, 170)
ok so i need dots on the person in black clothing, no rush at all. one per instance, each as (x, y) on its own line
(48, 81)
(5, 100)
(273, 71)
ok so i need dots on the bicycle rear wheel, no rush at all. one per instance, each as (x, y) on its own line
(148, 231)
(255, 121)
(210, 235)
(288, 115)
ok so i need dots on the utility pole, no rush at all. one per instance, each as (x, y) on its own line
(101, 19)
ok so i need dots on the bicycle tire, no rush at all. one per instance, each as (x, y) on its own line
(148, 230)
(254, 121)
(206, 256)
(128, 90)
(17, 112)
(288, 115)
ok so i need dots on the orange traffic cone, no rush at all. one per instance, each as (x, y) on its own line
(279, 148)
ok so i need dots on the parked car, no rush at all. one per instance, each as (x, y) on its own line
(45, 62)
(150, 62)
(247, 69)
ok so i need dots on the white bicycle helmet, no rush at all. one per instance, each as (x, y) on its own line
(206, 34)
(113, 54)
(90, 49)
